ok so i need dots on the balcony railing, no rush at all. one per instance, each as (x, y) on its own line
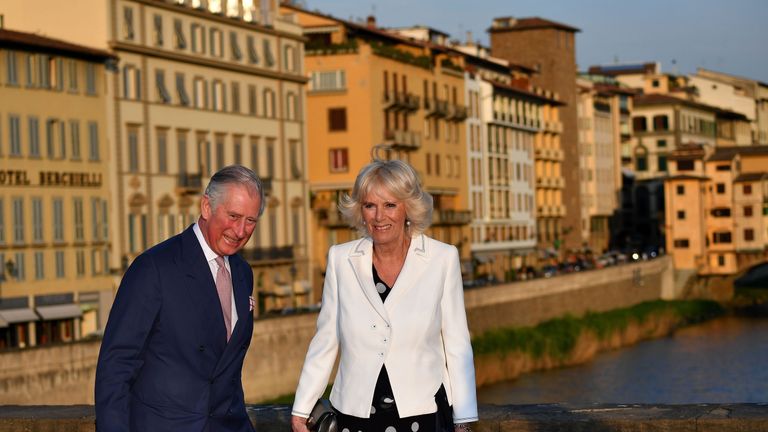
(189, 182)
(268, 253)
(406, 140)
(401, 101)
(436, 107)
(451, 217)
(457, 113)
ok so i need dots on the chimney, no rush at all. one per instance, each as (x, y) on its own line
(470, 42)
(371, 21)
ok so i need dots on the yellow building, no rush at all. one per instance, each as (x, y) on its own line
(716, 211)
(372, 87)
(200, 85)
(55, 282)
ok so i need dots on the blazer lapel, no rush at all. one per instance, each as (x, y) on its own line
(361, 259)
(416, 263)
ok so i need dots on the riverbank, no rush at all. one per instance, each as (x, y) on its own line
(504, 354)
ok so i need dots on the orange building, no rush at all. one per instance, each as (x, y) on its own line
(371, 87)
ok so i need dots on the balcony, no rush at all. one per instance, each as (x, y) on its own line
(451, 217)
(402, 140)
(401, 101)
(436, 108)
(189, 183)
(278, 253)
(266, 184)
(457, 113)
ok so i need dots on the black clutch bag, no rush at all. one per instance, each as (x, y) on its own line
(322, 418)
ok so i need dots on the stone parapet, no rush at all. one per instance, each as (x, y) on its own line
(509, 418)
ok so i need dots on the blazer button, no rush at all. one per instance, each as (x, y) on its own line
(374, 326)
(201, 348)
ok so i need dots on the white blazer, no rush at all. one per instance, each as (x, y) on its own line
(420, 334)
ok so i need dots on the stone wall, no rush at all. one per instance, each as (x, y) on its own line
(64, 374)
(510, 418)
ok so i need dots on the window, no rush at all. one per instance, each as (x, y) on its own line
(57, 73)
(680, 189)
(721, 260)
(237, 149)
(131, 82)
(20, 266)
(90, 81)
(269, 59)
(641, 162)
(93, 141)
(178, 32)
(235, 86)
(328, 81)
(181, 150)
(60, 270)
(37, 220)
(339, 160)
(234, 45)
(158, 27)
(749, 234)
(661, 143)
(18, 220)
(255, 154)
(217, 43)
(95, 220)
(725, 167)
(295, 159)
(74, 135)
(44, 71)
(34, 136)
(11, 71)
(31, 68)
(748, 211)
(2, 223)
(58, 220)
(655, 83)
(253, 55)
(252, 100)
(289, 58)
(662, 162)
(685, 165)
(660, 123)
(181, 90)
(72, 73)
(747, 189)
(219, 96)
(721, 212)
(721, 237)
(681, 214)
(269, 103)
(639, 124)
(720, 188)
(128, 23)
(39, 265)
(337, 119)
(80, 263)
(162, 151)
(14, 134)
(271, 157)
(198, 39)
(681, 243)
(219, 151)
(77, 207)
(133, 150)
(162, 91)
(290, 107)
(199, 93)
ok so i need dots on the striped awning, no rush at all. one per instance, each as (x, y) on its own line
(62, 311)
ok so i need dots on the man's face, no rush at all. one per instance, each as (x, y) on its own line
(229, 226)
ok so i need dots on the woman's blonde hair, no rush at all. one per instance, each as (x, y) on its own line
(399, 179)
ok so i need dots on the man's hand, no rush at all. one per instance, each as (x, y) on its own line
(299, 424)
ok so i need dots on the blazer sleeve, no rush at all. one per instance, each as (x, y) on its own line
(323, 348)
(130, 321)
(457, 345)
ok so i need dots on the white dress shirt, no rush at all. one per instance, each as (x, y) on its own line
(211, 256)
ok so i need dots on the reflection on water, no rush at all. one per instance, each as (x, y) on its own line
(722, 361)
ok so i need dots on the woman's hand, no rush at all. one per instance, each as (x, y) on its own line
(299, 424)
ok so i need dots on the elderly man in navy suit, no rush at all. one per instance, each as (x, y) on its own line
(177, 334)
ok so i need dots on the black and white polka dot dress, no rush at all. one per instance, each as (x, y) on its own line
(384, 416)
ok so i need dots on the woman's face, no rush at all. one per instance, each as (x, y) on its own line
(384, 216)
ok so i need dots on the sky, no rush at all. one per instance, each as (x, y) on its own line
(682, 35)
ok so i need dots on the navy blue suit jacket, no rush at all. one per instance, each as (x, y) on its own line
(165, 364)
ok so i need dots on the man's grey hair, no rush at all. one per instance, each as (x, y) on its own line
(234, 175)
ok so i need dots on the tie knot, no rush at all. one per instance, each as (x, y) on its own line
(220, 262)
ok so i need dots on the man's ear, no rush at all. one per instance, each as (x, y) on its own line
(205, 208)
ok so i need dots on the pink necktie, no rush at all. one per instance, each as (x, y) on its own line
(224, 287)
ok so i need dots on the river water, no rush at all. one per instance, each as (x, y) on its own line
(721, 361)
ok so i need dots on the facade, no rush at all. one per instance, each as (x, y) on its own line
(374, 92)
(200, 85)
(549, 48)
(716, 209)
(512, 135)
(55, 276)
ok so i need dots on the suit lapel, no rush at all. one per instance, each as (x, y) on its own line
(361, 260)
(416, 263)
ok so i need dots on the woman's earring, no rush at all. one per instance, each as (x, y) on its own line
(363, 221)
(408, 223)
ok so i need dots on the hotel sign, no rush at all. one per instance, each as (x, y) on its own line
(50, 179)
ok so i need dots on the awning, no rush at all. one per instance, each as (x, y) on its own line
(61, 311)
(18, 315)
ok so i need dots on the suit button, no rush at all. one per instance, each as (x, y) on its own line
(201, 348)
(374, 326)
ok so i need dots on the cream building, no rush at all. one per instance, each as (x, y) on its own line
(200, 85)
(55, 277)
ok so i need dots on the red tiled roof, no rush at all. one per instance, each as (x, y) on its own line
(31, 41)
(531, 23)
(728, 153)
(750, 177)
